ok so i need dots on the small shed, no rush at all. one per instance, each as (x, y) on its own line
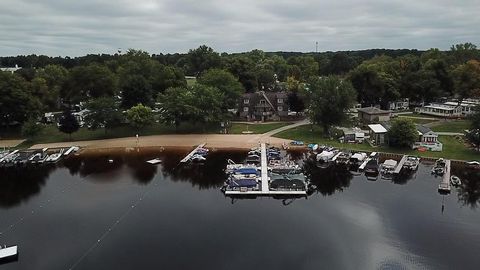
(372, 115)
(378, 134)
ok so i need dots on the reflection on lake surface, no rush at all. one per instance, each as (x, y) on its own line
(175, 217)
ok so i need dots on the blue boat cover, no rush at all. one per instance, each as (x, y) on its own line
(246, 171)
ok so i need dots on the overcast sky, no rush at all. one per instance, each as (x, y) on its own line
(78, 27)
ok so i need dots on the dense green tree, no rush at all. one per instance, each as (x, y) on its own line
(136, 90)
(201, 59)
(103, 112)
(467, 80)
(91, 81)
(330, 98)
(31, 128)
(473, 136)
(17, 102)
(464, 52)
(140, 116)
(265, 79)
(231, 88)
(176, 105)
(68, 123)
(339, 64)
(376, 81)
(475, 118)
(402, 133)
(208, 104)
(307, 66)
(243, 68)
(55, 78)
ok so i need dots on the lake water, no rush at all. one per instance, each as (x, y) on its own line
(86, 213)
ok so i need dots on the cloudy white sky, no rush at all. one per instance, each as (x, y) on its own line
(77, 27)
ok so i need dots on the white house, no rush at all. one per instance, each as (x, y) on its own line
(427, 139)
(466, 105)
(10, 69)
(399, 105)
(442, 110)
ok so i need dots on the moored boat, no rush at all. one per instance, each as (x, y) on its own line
(455, 180)
(439, 167)
(411, 163)
(388, 167)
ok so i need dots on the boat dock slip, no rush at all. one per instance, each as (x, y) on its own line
(400, 164)
(264, 175)
(265, 188)
(187, 158)
(445, 184)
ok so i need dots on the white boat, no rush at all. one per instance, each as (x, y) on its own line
(358, 158)
(344, 158)
(197, 158)
(455, 180)
(388, 167)
(71, 149)
(411, 163)
(8, 252)
(232, 166)
(439, 168)
(55, 157)
(154, 161)
(326, 156)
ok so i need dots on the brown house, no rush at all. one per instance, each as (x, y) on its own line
(263, 106)
(373, 115)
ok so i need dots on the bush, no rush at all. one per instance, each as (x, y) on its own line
(31, 128)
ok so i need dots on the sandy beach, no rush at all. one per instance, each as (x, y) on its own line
(218, 141)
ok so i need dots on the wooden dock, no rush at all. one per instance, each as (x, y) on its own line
(265, 188)
(444, 186)
(187, 158)
(400, 165)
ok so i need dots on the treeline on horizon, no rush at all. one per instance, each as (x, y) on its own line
(378, 77)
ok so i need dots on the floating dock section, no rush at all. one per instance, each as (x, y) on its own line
(187, 158)
(400, 164)
(265, 189)
(444, 186)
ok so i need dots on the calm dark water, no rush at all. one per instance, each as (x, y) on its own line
(89, 214)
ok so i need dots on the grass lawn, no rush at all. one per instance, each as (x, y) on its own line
(191, 81)
(51, 133)
(452, 126)
(452, 148)
(417, 120)
(238, 128)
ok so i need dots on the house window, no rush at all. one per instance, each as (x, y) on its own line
(246, 101)
(245, 109)
(280, 100)
(280, 108)
(262, 102)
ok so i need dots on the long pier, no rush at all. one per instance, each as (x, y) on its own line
(444, 185)
(187, 158)
(265, 188)
(400, 164)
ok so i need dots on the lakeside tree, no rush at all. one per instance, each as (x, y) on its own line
(201, 59)
(17, 102)
(402, 133)
(176, 106)
(68, 123)
(140, 116)
(31, 128)
(330, 98)
(91, 81)
(473, 136)
(467, 80)
(224, 81)
(103, 112)
(207, 104)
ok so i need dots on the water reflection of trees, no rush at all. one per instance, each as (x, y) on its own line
(20, 184)
(469, 190)
(210, 174)
(329, 180)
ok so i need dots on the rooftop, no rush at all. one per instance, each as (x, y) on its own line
(377, 128)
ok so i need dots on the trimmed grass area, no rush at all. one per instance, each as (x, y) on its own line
(191, 81)
(452, 148)
(238, 128)
(51, 134)
(452, 126)
(416, 120)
